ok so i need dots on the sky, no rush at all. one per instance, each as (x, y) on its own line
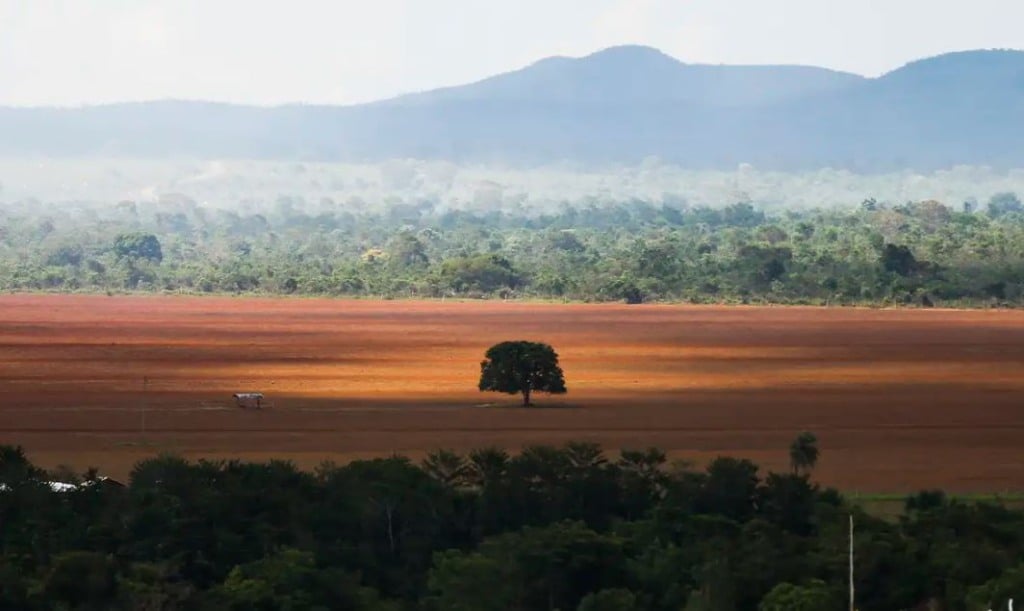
(73, 52)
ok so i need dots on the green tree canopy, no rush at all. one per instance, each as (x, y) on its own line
(547, 528)
(996, 593)
(521, 367)
(291, 581)
(406, 250)
(82, 580)
(898, 259)
(553, 567)
(613, 599)
(1002, 204)
(814, 596)
(485, 273)
(138, 246)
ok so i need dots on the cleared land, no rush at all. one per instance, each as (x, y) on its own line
(900, 399)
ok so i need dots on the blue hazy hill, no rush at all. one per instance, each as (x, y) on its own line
(618, 105)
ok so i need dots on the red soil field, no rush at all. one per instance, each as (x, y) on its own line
(901, 400)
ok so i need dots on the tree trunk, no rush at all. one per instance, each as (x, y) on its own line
(526, 397)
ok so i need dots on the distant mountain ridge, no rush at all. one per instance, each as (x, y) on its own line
(619, 105)
(642, 74)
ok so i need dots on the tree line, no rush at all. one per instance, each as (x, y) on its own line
(570, 528)
(915, 253)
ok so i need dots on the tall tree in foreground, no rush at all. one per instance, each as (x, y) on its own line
(803, 453)
(521, 367)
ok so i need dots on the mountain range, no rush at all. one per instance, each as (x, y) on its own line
(619, 105)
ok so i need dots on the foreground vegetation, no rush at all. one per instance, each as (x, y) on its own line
(921, 253)
(550, 528)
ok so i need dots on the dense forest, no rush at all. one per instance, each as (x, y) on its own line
(569, 528)
(922, 253)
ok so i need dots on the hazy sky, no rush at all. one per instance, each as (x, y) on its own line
(342, 51)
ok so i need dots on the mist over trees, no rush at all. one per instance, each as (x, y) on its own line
(257, 186)
(246, 227)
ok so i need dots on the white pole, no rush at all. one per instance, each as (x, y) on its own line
(852, 606)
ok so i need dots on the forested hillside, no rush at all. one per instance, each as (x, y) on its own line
(920, 253)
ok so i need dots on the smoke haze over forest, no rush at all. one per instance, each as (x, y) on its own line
(258, 185)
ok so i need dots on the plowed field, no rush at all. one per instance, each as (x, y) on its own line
(900, 399)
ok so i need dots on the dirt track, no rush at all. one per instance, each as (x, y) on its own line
(900, 400)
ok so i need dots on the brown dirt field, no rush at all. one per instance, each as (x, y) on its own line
(900, 399)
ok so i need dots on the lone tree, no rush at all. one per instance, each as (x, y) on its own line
(521, 367)
(803, 453)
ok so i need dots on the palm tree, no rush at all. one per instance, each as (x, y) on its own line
(447, 467)
(583, 456)
(803, 453)
(487, 465)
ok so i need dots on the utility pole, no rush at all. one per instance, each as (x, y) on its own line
(852, 605)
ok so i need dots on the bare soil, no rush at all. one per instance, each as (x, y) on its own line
(901, 400)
